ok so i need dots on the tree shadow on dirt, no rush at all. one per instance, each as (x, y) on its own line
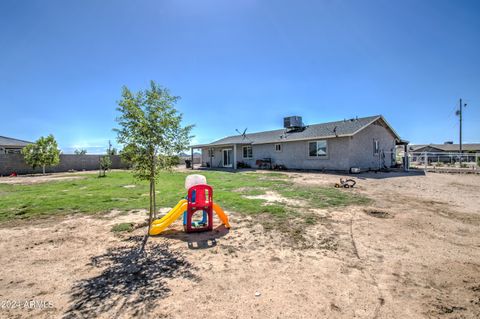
(133, 277)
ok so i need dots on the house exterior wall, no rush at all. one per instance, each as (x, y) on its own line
(294, 155)
(217, 159)
(362, 148)
(343, 152)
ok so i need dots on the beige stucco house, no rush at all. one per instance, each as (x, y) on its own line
(365, 143)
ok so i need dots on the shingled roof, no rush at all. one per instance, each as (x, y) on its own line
(322, 130)
(12, 142)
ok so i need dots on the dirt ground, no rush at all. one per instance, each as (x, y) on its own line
(413, 253)
(37, 178)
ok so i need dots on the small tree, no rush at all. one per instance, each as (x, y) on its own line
(105, 164)
(152, 133)
(44, 152)
(80, 151)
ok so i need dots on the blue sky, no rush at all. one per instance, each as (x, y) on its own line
(239, 64)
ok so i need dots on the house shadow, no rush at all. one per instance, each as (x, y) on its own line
(202, 240)
(223, 169)
(380, 174)
(132, 277)
(386, 174)
(373, 174)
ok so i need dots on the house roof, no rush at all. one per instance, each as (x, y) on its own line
(448, 147)
(12, 142)
(322, 130)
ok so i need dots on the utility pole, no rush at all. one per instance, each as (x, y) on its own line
(460, 117)
(459, 113)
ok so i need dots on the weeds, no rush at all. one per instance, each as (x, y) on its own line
(122, 227)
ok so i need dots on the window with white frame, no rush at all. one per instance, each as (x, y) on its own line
(278, 147)
(376, 147)
(247, 152)
(317, 149)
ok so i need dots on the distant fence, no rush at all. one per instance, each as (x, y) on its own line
(443, 161)
(443, 157)
(10, 163)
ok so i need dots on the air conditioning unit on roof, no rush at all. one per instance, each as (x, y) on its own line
(292, 122)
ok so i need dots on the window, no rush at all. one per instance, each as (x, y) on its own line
(210, 152)
(278, 147)
(317, 149)
(247, 152)
(375, 147)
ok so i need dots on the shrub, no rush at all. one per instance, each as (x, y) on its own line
(175, 160)
(243, 165)
(105, 164)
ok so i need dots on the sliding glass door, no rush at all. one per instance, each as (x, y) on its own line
(227, 157)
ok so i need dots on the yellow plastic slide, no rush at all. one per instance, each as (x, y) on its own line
(221, 214)
(159, 225)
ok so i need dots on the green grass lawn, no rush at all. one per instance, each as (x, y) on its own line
(92, 194)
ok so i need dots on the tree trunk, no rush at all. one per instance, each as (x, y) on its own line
(150, 215)
(43, 168)
(152, 181)
(154, 201)
(152, 188)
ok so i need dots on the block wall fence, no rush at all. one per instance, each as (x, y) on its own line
(10, 163)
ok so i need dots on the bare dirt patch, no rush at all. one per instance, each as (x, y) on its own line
(272, 197)
(36, 179)
(247, 189)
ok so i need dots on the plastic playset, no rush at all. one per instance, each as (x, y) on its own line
(199, 199)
